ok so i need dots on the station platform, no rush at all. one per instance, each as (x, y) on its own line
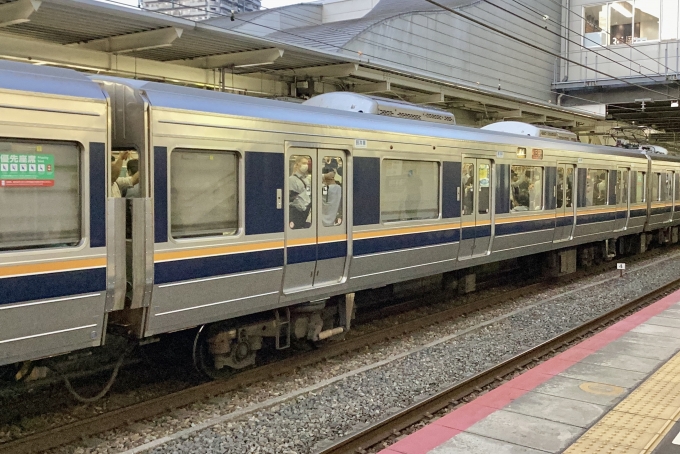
(617, 392)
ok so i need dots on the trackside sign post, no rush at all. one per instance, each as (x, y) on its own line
(26, 170)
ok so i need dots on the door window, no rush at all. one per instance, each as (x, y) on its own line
(484, 176)
(331, 191)
(560, 187)
(621, 187)
(468, 189)
(570, 186)
(640, 185)
(656, 180)
(300, 192)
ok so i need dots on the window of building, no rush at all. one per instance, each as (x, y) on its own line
(526, 188)
(623, 22)
(409, 190)
(39, 194)
(669, 19)
(596, 187)
(203, 193)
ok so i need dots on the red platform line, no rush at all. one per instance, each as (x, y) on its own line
(463, 417)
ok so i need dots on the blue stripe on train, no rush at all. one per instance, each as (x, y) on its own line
(661, 210)
(51, 285)
(332, 250)
(314, 252)
(182, 270)
(638, 213)
(527, 226)
(301, 254)
(596, 217)
(413, 240)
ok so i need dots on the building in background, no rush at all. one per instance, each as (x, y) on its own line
(199, 10)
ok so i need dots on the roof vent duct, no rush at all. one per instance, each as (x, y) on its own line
(353, 102)
(527, 129)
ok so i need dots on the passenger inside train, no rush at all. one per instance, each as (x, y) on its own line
(300, 192)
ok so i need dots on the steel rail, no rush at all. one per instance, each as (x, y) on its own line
(387, 427)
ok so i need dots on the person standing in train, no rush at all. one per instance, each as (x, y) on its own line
(299, 194)
(332, 197)
(118, 183)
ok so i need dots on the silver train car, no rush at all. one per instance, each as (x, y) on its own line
(259, 220)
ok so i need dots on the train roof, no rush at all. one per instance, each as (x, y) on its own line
(47, 80)
(163, 95)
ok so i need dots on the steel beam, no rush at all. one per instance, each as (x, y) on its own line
(17, 12)
(434, 98)
(234, 60)
(126, 66)
(151, 39)
(341, 70)
(377, 87)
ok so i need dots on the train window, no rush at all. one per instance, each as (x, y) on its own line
(331, 191)
(596, 187)
(39, 194)
(621, 187)
(468, 189)
(203, 193)
(484, 176)
(526, 188)
(640, 185)
(677, 187)
(570, 186)
(300, 192)
(667, 187)
(409, 190)
(656, 178)
(560, 188)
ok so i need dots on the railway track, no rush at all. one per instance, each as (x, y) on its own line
(144, 410)
(91, 426)
(467, 389)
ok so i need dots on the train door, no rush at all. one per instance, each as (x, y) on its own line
(316, 227)
(564, 206)
(476, 208)
(622, 206)
(668, 194)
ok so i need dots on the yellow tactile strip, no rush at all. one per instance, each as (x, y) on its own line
(638, 423)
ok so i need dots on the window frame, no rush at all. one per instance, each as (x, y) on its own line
(440, 166)
(606, 195)
(543, 200)
(83, 179)
(240, 191)
(608, 4)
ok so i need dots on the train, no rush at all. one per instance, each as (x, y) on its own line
(257, 221)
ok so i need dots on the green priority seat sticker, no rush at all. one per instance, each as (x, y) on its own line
(26, 170)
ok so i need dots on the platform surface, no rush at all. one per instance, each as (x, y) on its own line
(617, 392)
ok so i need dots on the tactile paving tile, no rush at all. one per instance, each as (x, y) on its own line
(638, 423)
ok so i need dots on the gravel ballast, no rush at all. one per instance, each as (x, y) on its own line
(410, 368)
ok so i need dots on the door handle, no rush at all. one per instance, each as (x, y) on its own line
(317, 273)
